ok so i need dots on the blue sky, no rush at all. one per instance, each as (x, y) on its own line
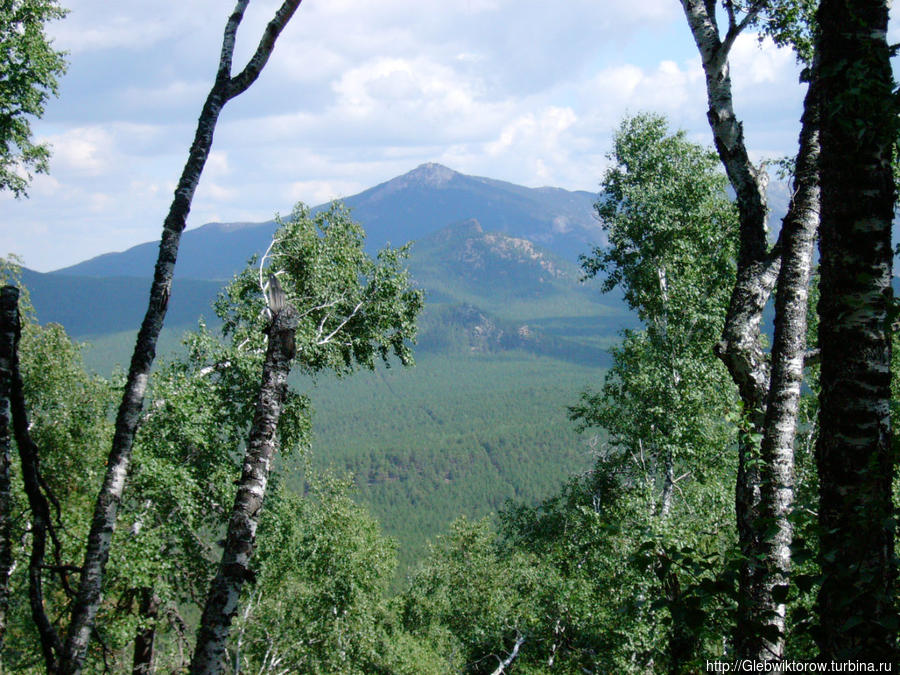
(356, 93)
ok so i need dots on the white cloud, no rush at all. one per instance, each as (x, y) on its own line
(355, 93)
(761, 62)
(541, 132)
(83, 150)
(100, 202)
(164, 95)
(321, 191)
(98, 25)
(217, 164)
(411, 92)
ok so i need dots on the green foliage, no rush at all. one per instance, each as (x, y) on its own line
(588, 580)
(69, 413)
(318, 605)
(661, 204)
(200, 407)
(353, 309)
(183, 480)
(471, 597)
(666, 400)
(672, 241)
(791, 23)
(593, 600)
(28, 76)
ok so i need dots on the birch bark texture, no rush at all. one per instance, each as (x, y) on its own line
(798, 237)
(234, 567)
(225, 88)
(857, 616)
(769, 385)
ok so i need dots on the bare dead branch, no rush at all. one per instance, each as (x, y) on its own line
(343, 323)
(505, 663)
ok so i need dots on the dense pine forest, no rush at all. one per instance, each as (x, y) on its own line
(466, 454)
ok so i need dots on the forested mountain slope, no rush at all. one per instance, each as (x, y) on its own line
(510, 335)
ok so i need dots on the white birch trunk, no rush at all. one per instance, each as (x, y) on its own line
(225, 88)
(234, 567)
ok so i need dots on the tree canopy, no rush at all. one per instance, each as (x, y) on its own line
(29, 72)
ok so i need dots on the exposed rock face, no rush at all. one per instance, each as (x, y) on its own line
(486, 334)
(479, 250)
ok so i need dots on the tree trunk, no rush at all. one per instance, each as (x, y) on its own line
(668, 486)
(224, 89)
(798, 236)
(8, 319)
(856, 609)
(142, 662)
(764, 489)
(234, 567)
(51, 646)
(740, 348)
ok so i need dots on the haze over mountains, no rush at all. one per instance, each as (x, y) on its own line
(503, 248)
(405, 208)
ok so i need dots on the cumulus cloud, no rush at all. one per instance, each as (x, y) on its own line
(535, 135)
(356, 93)
(321, 191)
(83, 150)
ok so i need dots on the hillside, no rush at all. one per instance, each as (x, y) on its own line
(509, 337)
(91, 307)
(511, 276)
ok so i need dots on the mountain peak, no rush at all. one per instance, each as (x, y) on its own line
(432, 174)
(429, 176)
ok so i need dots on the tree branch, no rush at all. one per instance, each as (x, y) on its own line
(343, 323)
(735, 28)
(505, 663)
(241, 82)
(228, 40)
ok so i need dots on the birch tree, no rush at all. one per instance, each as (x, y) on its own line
(59, 416)
(328, 305)
(8, 319)
(769, 384)
(857, 614)
(225, 88)
(672, 238)
(182, 484)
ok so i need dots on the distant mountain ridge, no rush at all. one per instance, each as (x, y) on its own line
(92, 306)
(501, 277)
(509, 278)
(408, 207)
